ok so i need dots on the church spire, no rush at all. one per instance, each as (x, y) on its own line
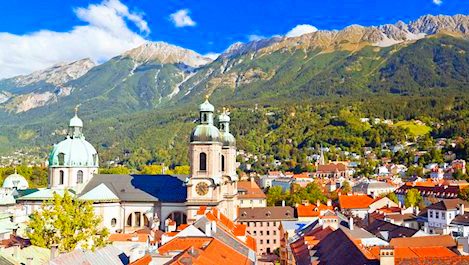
(76, 124)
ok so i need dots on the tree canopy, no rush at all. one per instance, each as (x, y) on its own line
(67, 222)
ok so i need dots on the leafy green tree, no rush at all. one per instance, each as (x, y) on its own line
(67, 222)
(346, 188)
(274, 196)
(412, 198)
(152, 169)
(120, 170)
(464, 194)
(393, 197)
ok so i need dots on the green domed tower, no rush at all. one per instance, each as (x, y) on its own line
(73, 161)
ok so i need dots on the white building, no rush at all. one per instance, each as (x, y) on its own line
(441, 214)
(128, 203)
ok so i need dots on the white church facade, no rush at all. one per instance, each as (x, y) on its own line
(128, 203)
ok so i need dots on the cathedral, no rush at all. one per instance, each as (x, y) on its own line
(128, 203)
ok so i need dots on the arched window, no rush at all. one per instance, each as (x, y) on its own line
(129, 220)
(113, 222)
(79, 177)
(61, 177)
(222, 163)
(204, 117)
(203, 162)
(61, 158)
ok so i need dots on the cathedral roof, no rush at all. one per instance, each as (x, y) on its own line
(137, 188)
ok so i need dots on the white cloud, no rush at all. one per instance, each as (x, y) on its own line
(255, 37)
(300, 30)
(212, 55)
(105, 35)
(182, 19)
(437, 2)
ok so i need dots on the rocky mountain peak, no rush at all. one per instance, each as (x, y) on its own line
(58, 74)
(166, 54)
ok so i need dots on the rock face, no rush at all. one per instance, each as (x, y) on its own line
(166, 54)
(159, 74)
(58, 74)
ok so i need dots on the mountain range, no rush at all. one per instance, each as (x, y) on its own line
(428, 55)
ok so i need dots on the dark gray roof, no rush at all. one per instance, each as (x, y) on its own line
(449, 204)
(461, 219)
(139, 188)
(388, 231)
(106, 255)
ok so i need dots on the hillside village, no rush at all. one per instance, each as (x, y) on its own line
(390, 216)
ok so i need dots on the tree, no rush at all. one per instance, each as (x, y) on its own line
(67, 222)
(346, 188)
(393, 197)
(274, 195)
(464, 194)
(412, 198)
(121, 170)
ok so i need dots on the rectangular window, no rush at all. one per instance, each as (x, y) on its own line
(262, 233)
(431, 214)
(260, 224)
(268, 233)
(255, 232)
(268, 241)
(443, 216)
(268, 223)
(262, 241)
(275, 223)
(275, 241)
(437, 214)
(275, 232)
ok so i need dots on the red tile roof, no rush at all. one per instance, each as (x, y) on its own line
(183, 243)
(249, 189)
(128, 237)
(312, 210)
(423, 241)
(355, 201)
(213, 253)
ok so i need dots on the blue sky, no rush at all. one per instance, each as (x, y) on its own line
(108, 27)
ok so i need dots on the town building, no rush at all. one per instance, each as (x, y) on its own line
(441, 214)
(250, 195)
(360, 205)
(263, 224)
(373, 188)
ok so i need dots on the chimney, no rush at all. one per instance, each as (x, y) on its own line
(461, 209)
(329, 202)
(29, 261)
(350, 223)
(214, 226)
(252, 182)
(417, 210)
(208, 229)
(54, 251)
(318, 203)
(386, 256)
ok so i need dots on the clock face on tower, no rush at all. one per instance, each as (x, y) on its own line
(201, 188)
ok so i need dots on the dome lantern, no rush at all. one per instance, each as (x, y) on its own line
(205, 131)
(224, 123)
(76, 125)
